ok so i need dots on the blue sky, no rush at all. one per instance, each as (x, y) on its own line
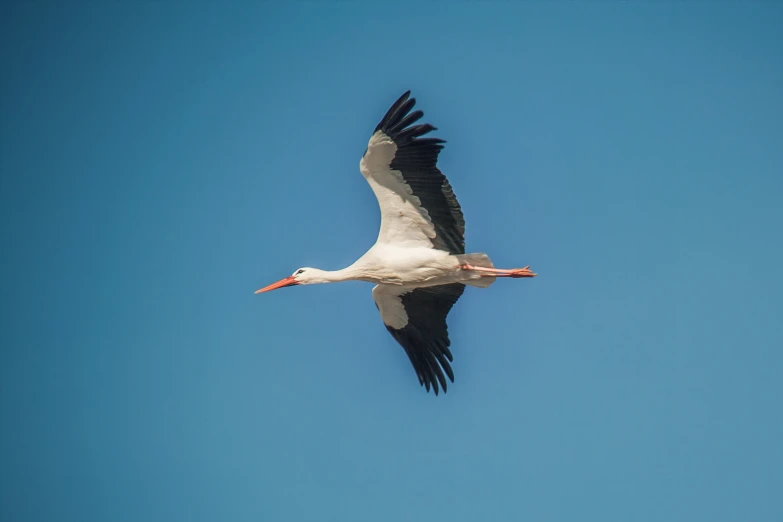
(161, 161)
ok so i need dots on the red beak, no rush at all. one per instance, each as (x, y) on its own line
(288, 281)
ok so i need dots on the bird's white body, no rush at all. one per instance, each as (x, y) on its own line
(411, 266)
(418, 261)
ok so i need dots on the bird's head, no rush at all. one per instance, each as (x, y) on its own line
(302, 276)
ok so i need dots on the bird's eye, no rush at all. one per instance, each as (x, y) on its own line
(299, 271)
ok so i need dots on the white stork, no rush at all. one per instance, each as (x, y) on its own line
(418, 263)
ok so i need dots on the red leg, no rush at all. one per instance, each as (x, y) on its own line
(497, 272)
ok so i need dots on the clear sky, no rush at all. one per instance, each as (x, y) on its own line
(162, 160)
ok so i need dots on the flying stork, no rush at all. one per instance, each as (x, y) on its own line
(418, 262)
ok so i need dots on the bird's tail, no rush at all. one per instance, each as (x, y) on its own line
(481, 260)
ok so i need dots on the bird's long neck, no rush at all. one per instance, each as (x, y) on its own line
(350, 273)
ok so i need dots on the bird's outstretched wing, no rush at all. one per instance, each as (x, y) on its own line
(418, 206)
(416, 318)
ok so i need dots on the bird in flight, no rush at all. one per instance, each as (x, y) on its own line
(418, 263)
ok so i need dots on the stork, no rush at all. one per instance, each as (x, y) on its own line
(418, 263)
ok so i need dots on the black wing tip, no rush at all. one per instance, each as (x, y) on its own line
(400, 113)
(432, 382)
(404, 97)
(430, 362)
(431, 373)
(394, 109)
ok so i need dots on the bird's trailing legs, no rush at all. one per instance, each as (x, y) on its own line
(497, 272)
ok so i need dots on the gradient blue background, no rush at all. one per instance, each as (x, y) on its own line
(162, 160)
